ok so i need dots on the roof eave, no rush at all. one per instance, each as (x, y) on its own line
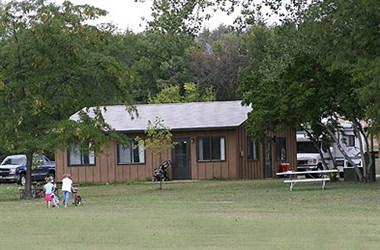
(136, 131)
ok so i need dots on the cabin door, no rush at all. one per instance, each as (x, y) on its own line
(181, 159)
(268, 158)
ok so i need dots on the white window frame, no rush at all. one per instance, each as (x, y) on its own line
(252, 149)
(201, 149)
(125, 153)
(76, 156)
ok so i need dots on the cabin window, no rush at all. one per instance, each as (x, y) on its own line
(131, 153)
(253, 149)
(80, 156)
(349, 140)
(211, 148)
(281, 149)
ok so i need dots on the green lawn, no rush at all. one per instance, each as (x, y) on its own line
(258, 214)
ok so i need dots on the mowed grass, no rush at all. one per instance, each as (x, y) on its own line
(260, 214)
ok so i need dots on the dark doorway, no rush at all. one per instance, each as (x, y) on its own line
(268, 158)
(181, 159)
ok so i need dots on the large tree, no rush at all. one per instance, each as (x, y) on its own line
(157, 59)
(345, 36)
(52, 64)
(172, 56)
(218, 61)
(324, 74)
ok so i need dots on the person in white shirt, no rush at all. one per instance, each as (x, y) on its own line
(67, 185)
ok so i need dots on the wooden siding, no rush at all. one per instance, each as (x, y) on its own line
(226, 169)
(248, 169)
(236, 165)
(253, 169)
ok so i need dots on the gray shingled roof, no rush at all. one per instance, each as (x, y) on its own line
(177, 116)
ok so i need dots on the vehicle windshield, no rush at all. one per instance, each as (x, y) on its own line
(14, 161)
(306, 148)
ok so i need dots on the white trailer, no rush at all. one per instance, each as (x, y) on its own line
(309, 158)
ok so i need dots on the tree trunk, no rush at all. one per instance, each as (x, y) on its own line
(370, 160)
(325, 165)
(332, 158)
(28, 177)
(362, 156)
(372, 167)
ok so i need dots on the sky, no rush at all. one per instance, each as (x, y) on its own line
(127, 14)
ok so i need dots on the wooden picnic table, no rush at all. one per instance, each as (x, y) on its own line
(292, 177)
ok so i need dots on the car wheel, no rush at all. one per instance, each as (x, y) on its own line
(22, 179)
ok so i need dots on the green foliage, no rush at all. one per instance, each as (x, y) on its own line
(52, 64)
(174, 25)
(191, 93)
(273, 100)
(209, 95)
(350, 44)
(183, 16)
(341, 37)
(168, 95)
(157, 60)
(313, 68)
(218, 61)
(369, 73)
(171, 16)
(158, 137)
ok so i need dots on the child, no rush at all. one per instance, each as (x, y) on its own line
(48, 189)
(67, 185)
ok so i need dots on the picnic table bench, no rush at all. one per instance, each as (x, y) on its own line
(292, 177)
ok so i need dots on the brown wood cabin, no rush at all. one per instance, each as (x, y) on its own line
(211, 143)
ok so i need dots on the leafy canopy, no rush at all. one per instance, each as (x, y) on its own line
(52, 64)
(191, 93)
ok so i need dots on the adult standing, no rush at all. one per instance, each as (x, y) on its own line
(67, 185)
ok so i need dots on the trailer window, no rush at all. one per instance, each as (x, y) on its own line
(306, 147)
(349, 140)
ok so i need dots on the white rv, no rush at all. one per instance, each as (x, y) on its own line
(309, 158)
